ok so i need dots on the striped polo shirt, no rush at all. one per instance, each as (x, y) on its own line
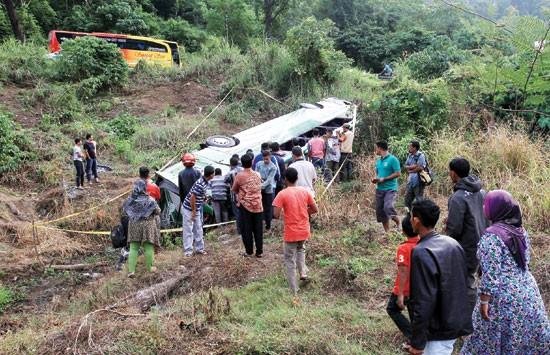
(199, 190)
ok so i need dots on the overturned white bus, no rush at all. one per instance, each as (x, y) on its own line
(286, 130)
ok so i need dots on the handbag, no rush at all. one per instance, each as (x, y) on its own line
(118, 237)
(426, 175)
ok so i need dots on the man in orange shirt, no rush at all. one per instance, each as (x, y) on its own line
(399, 297)
(296, 204)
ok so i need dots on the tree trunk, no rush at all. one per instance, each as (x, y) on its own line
(78, 266)
(12, 14)
(145, 298)
(268, 17)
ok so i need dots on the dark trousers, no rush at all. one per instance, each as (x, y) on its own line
(398, 318)
(333, 166)
(252, 231)
(237, 215)
(91, 169)
(412, 194)
(267, 203)
(347, 168)
(318, 163)
(79, 166)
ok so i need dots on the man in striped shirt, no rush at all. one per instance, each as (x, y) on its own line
(192, 221)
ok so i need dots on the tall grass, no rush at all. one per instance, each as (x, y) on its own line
(503, 159)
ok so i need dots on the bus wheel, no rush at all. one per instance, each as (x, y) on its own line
(220, 141)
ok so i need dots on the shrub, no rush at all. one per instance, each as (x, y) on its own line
(123, 126)
(97, 64)
(311, 44)
(412, 109)
(6, 297)
(428, 64)
(181, 31)
(23, 63)
(268, 65)
(15, 147)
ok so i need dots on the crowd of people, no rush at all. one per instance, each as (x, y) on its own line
(471, 282)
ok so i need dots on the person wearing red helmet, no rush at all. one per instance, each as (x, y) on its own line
(188, 176)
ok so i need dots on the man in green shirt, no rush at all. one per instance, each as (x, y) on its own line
(388, 170)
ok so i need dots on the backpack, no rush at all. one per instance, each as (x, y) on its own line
(118, 237)
(426, 176)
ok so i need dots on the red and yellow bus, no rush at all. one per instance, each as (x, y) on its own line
(132, 48)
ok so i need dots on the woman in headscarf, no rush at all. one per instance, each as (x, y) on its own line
(143, 226)
(509, 317)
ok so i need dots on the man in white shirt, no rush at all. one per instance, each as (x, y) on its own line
(306, 171)
(78, 156)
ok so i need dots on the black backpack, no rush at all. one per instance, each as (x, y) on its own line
(118, 237)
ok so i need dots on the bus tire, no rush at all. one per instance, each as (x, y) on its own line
(221, 141)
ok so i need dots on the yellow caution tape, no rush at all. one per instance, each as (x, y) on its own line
(172, 230)
(81, 212)
(333, 178)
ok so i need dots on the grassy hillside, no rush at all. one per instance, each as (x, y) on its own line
(462, 87)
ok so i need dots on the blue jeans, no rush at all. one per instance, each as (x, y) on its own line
(91, 169)
(439, 347)
(318, 163)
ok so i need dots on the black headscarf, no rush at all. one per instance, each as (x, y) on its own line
(139, 205)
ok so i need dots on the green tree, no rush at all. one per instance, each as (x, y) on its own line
(311, 44)
(95, 63)
(232, 19)
(184, 33)
(121, 16)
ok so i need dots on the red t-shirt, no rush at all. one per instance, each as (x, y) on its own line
(153, 191)
(403, 258)
(295, 201)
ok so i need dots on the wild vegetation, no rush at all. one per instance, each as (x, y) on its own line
(464, 85)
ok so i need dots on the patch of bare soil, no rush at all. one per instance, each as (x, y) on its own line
(188, 97)
(10, 98)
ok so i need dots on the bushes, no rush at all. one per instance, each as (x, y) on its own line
(181, 31)
(269, 65)
(95, 63)
(123, 126)
(413, 109)
(15, 147)
(314, 51)
(23, 63)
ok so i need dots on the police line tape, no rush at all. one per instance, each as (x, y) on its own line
(42, 224)
(163, 231)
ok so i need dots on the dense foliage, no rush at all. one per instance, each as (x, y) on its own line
(442, 56)
(96, 64)
(14, 146)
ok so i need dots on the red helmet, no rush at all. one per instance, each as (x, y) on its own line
(188, 159)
